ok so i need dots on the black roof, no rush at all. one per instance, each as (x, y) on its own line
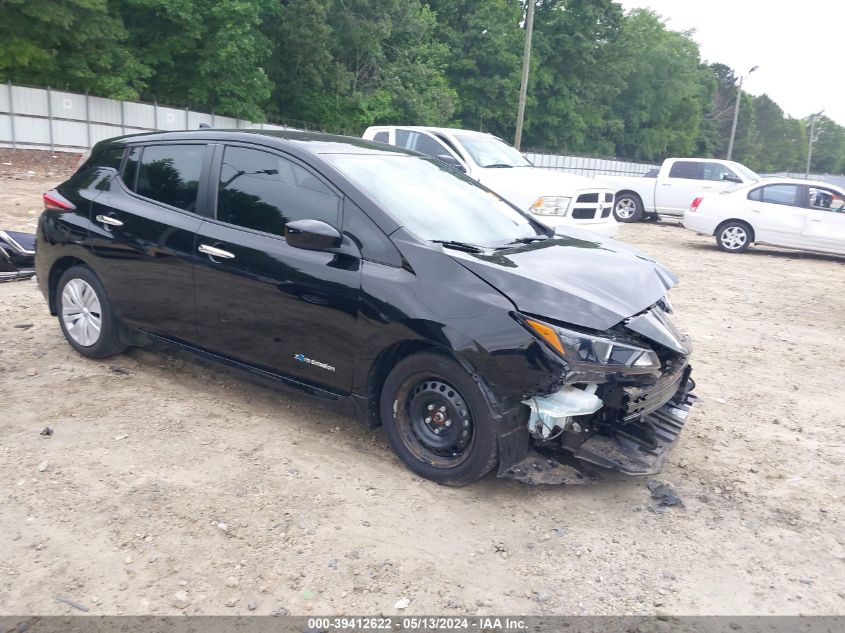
(315, 142)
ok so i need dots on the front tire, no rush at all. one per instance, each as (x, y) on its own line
(437, 420)
(734, 237)
(627, 207)
(85, 314)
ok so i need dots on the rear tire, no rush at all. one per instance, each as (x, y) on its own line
(437, 421)
(734, 236)
(85, 314)
(627, 207)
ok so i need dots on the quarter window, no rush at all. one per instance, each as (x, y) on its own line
(689, 170)
(130, 169)
(776, 194)
(170, 174)
(263, 191)
(382, 137)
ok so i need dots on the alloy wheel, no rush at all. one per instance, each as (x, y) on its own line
(625, 208)
(734, 237)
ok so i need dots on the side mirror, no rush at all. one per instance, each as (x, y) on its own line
(731, 178)
(451, 161)
(312, 235)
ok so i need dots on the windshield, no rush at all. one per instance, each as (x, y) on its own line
(746, 173)
(489, 151)
(432, 200)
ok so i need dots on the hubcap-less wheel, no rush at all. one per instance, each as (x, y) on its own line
(435, 422)
(626, 208)
(81, 312)
(734, 237)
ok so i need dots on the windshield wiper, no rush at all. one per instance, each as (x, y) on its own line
(460, 246)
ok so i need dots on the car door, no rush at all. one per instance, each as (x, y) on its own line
(261, 301)
(776, 213)
(825, 225)
(676, 191)
(143, 227)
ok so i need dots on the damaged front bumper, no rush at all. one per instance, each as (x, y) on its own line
(638, 444)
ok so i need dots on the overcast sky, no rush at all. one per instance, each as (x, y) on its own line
(799, 46)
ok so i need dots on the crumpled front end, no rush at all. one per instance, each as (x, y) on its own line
(620, 404)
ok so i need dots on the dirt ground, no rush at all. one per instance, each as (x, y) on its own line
(169, 487)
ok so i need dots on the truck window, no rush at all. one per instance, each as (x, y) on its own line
(382, 137)
(717, 171)
(688, 169)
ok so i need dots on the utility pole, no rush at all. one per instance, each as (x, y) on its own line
(736, 113)
(813, 118)
(526, 66)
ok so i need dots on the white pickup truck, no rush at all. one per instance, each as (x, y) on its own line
(555, 198)
(670, 189)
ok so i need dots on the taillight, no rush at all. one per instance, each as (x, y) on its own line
(695, 204)
(57, 202)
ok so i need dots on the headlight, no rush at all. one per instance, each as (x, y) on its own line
(585, 353)
(550, 205)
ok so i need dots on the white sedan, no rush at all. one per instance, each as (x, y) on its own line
(800, 214)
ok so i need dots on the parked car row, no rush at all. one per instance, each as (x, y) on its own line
(554, 197)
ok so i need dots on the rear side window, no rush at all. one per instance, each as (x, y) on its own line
(111, 157)
(263, 191)
(382, 137)
(170, 174)
(776, 194)
(687, 169)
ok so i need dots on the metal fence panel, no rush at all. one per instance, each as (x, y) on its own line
(67, 105)
(71, 134)
(139, 115)
(104, 110)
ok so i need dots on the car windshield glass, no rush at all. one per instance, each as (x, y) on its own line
(433, 201)
(746, 173)
(488, 151)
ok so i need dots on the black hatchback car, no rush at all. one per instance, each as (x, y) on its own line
(378, 278)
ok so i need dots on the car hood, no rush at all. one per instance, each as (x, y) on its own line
(523, 185)
(576, 277)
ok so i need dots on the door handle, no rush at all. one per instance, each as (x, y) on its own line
(814, 220)
(755, 210)
(213, 251)
(107, 219)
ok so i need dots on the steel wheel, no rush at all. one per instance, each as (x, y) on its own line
(733, 237)
(435, 423)
(81, 312)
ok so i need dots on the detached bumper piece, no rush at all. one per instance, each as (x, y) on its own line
(641, 447)
(17, 255)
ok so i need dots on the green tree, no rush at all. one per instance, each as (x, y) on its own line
(484, 42)
(75, 44)
(828, 148)
(574, 82)
(665, 89)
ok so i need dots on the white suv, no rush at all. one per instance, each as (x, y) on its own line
(554, 197)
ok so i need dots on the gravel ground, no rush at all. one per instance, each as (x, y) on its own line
(170, 487)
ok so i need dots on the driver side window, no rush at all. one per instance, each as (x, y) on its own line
(720, 173)
(826, 200)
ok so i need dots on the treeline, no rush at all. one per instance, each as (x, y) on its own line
(602, 82)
